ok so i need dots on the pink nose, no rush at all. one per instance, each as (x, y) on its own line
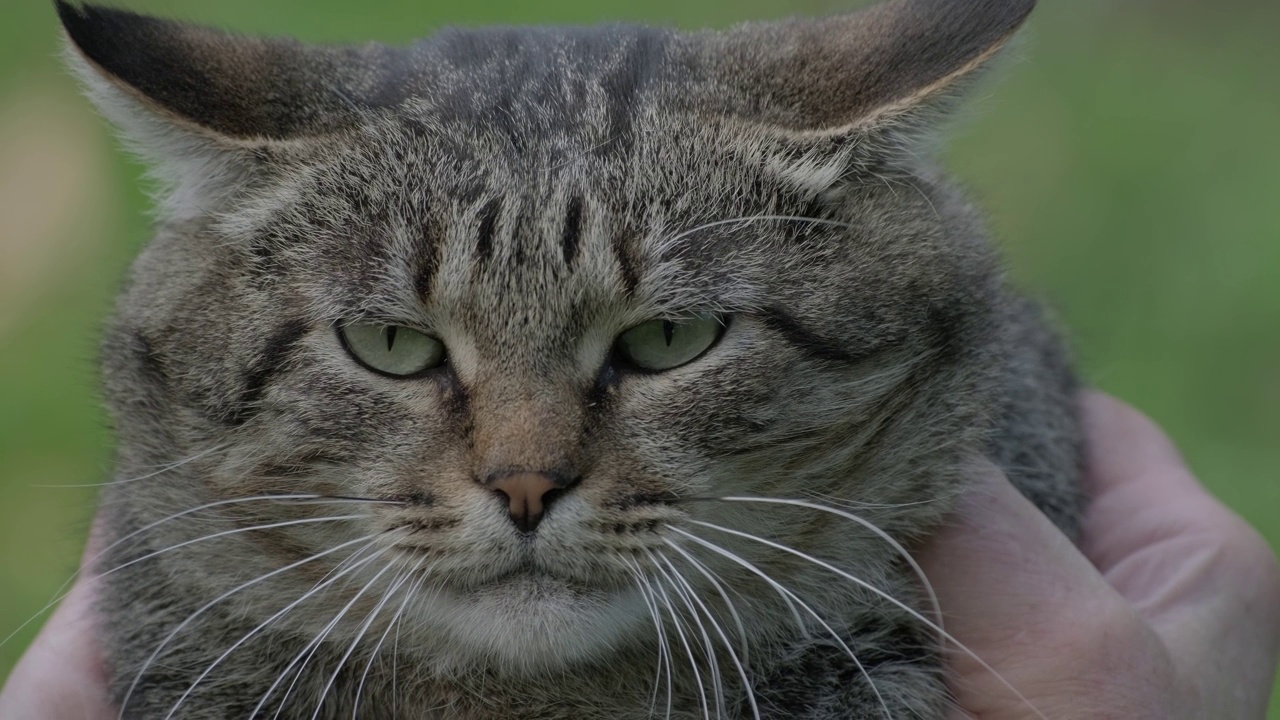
(528, 494)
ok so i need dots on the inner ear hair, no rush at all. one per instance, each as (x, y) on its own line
(857, 72)
(227, 85)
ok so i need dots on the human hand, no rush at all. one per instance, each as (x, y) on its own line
(62, 676)
(1170, 608)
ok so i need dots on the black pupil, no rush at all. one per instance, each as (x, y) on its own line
(668, 330)
(391, 337)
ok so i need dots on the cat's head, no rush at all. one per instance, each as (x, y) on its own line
(550, 292)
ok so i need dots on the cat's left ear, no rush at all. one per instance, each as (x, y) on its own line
(890, 63)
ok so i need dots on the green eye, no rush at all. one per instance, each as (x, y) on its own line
(666, 344)
(392, 350)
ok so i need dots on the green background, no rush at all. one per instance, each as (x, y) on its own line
(1129, 161)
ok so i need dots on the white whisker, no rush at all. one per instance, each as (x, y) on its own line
(742, 671)
(164, 469)
(310, 649)
(882, 594)
(658, 634)
(787, 593)
(870, 506)
(61, 593)
(225, 533)
(713, 664)
(204, 608)
(395, 667)
(715, 581)
(395, 620)
(897, 547)
(373, 616)
(678, 624)
(254, 632)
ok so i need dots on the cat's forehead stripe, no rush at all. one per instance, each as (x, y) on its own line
(489, 215)
(571, 235)
(628, 266)
(428, 253)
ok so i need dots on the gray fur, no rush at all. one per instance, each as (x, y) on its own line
(526, 195)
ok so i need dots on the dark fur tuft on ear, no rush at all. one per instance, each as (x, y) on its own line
(860, 70)
(234, 86)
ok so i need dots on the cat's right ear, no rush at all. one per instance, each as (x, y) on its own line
(195, 102)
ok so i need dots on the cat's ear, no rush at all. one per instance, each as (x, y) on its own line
(195, 101)
(224, 85)
(865, 70)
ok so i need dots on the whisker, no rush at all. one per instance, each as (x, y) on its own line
(848, 503)
(747, 686)
(882, 594)
(265, 623)
(713, 663)
(204, 608)
(748, 219)
(714, 579)
(164, 469)
(658, 633)
(742, 672)
(373, 615)
(310, 649)
(324, 499)
(61, 593)
(801, 625)
(678, 624)
(395, 668)
(813, 613)
(226, 533)
(409, 594)
(897, 547)
(667, 651)
(342, 565)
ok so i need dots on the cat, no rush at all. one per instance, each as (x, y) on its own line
(592, 373)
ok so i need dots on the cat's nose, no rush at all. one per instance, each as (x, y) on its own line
(528, 494)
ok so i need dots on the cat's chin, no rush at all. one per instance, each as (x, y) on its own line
(533, 622)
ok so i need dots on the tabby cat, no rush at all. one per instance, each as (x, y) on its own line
(554, 372)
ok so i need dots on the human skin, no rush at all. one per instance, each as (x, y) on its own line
(1169, 608)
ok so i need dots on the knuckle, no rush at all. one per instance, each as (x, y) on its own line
(1261, 558)
(1252, 556)
(1112, 659)
(1106, 635)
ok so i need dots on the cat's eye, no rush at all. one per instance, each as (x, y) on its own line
(392, 350)
(665, 344)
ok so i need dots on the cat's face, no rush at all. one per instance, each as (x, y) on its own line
(520, 345)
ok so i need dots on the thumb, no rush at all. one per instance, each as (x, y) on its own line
(1049, 634)
(62, 675)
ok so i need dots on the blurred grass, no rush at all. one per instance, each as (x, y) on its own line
(1129, 161)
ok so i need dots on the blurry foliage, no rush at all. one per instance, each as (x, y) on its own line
(1128, 159)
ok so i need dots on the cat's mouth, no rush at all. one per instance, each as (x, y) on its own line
(529, 575)
(534, 584)
(524, 573)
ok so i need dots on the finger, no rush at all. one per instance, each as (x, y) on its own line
(1124, 448)
(1019, 595)
(1205, 581)
(61, 676)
